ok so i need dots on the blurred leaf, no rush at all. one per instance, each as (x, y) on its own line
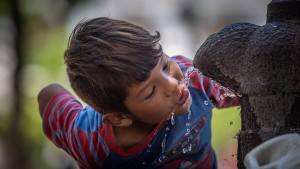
(4, 7)
(225, 125)
(46, 48)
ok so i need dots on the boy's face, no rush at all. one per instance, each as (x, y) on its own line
(154, 100)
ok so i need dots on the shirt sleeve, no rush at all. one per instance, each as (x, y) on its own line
(71, 127)
(220, 96)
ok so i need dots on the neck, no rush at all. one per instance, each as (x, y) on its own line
(127, 137)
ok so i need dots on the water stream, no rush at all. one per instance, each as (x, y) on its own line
(227, 92)
(187, 76)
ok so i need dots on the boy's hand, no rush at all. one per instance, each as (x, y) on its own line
(46, 94)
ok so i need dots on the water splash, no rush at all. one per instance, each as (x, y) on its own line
(188, 132)
(184, 150)
(189, 114)
(163, 144)
(227, 92)
(161, 158)
(190, 147)
(172, 119)
(188, 73)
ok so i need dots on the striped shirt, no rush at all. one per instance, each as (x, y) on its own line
(80, 132)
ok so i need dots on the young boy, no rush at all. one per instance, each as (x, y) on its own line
(139, 112)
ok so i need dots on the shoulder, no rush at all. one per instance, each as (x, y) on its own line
(88, 119)
(182, 61)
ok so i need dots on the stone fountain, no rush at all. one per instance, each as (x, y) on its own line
(261, 64)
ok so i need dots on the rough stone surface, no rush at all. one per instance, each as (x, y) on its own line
(262, 65)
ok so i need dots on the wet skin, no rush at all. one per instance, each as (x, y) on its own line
(154, 100)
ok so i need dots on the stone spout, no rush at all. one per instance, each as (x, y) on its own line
(262, 65)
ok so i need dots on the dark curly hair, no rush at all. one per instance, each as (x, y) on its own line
(105, 56)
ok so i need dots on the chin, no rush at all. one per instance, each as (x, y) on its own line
(184, 108)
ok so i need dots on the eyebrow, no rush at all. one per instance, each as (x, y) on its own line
(146, 86)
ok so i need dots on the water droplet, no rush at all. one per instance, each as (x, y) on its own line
(172, 119)
(190, 147)
(222, 96)
(236, 136)
(187, 134)
(250, 131)
(161, 158)
(206, 102)
(189, 114)
(184, 150)
(228, 93)
(163, 144)
(188, 73)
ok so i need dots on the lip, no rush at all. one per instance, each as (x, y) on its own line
(184, 96)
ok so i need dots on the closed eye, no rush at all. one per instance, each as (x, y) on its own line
(166, 66)
(152, 93)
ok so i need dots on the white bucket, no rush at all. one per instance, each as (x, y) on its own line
(281, 152)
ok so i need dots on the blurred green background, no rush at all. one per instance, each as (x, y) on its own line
(33, 37)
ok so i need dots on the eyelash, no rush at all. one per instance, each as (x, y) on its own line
(165, 68)
(152, 93)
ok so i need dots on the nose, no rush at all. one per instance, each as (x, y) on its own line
(171, 86)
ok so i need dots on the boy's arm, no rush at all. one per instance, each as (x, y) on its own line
(219, 94)
(214, 92)
(226, 98)
(46, 94)
(71, 127)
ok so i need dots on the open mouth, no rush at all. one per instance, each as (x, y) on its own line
(184, 96)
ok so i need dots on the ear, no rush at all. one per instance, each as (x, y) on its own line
(117, 119)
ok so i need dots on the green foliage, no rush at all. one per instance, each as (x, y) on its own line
(226, 123)
(46, 48)
(43, 65)
(4, 7)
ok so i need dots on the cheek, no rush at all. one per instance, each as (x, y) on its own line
(176, 71)
(155, 113)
